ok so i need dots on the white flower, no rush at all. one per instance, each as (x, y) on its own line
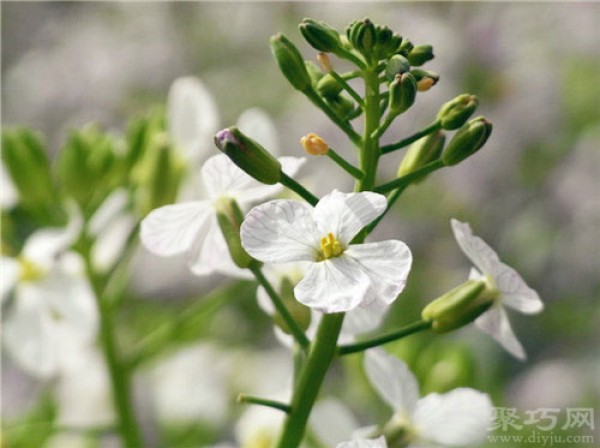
(340, 275)
(457, 418)
(513, 292)
(365, 443)
(53, 312)
(191, 228)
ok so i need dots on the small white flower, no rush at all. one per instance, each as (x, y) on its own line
(53, 312)
(340, 276)
(513, 292)
(365, 443)
(457, 418)
(191, 228)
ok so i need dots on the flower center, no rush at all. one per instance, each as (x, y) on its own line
(330, 247)
(30, 271)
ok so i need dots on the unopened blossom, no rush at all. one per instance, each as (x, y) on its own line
(53, 312)
(191, 228)
(512, 291)
(457, 418)
(340, 276)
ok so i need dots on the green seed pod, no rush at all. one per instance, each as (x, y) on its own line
(422, 152)
(328, 87)
(321, 36)
(249, 155)
(459, 306)
(420, 54)
(467, 141)
(290, 62)
(230, 218)
(402, 93)
(397, 65)
(456, 112)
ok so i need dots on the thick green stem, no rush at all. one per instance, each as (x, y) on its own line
(413, 138)
(297, 332)
(322, 352)
(120, 376)
(369, 154)
(413, 328)
(297, 188)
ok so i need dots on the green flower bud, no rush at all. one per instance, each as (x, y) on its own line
(456, 112)
(290, 62)
(402, 93)
(459, 306)
(140, 132)
(341, 104)
(230, 218)
(361, 34)
(314, 72)
(299, 312)
(387, 43)
(406, 47)
(27, 163)
(397, 65)
(425, 79)
(328, 87)
(249, 155)
(420, 54)
(467, 141)
(321, 36)
(422, 152)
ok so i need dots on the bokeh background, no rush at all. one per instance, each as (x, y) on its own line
(533, 192)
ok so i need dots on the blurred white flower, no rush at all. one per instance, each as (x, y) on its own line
(191, 228)
(513, 292)
(259, 427)
(54, 312)
(340, 275)
(190, 385)
(457, 418)
(365, 443)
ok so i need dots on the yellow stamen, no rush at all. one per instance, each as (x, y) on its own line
(330, 247)
(30, 271)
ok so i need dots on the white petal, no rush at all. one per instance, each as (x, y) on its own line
(458, 418)
(173, 229)
(335, 285)
(193, 117)
(332, 422)
(257, 125)
(387, 264)
(10, 271)
(495, 323)
(365, 443)
(392, 379)
(113, 206)
(345, 214)
(111, 241)
(280, 231)
(478, 251)
(515, 292)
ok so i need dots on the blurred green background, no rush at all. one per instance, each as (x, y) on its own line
(533, 192)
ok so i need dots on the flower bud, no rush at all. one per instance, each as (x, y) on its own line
(387, 43)
(325, 62)
(422, 152)
(397, 65)
(406, 47)
(361, 35)
(320, 36)
(456, 112)
(314, 72)
(290, 62)
(467, 141)
(249, 155)
(314, 145)
(420, 54)
(402, 93)
(459, 306)
(425, 79)
(342, 105)
(328, 87)
(230, 218)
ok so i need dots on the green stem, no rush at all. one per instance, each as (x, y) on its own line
(319, 359)
(120, 376)
(369, 155)
(243, 398)
(404, 181)
(389, 119)
(348, 88)
(333, 116)
(297, 188)
(296, 331)
(413, 328)
(413, 138)
(345, 54)
(345, 165)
